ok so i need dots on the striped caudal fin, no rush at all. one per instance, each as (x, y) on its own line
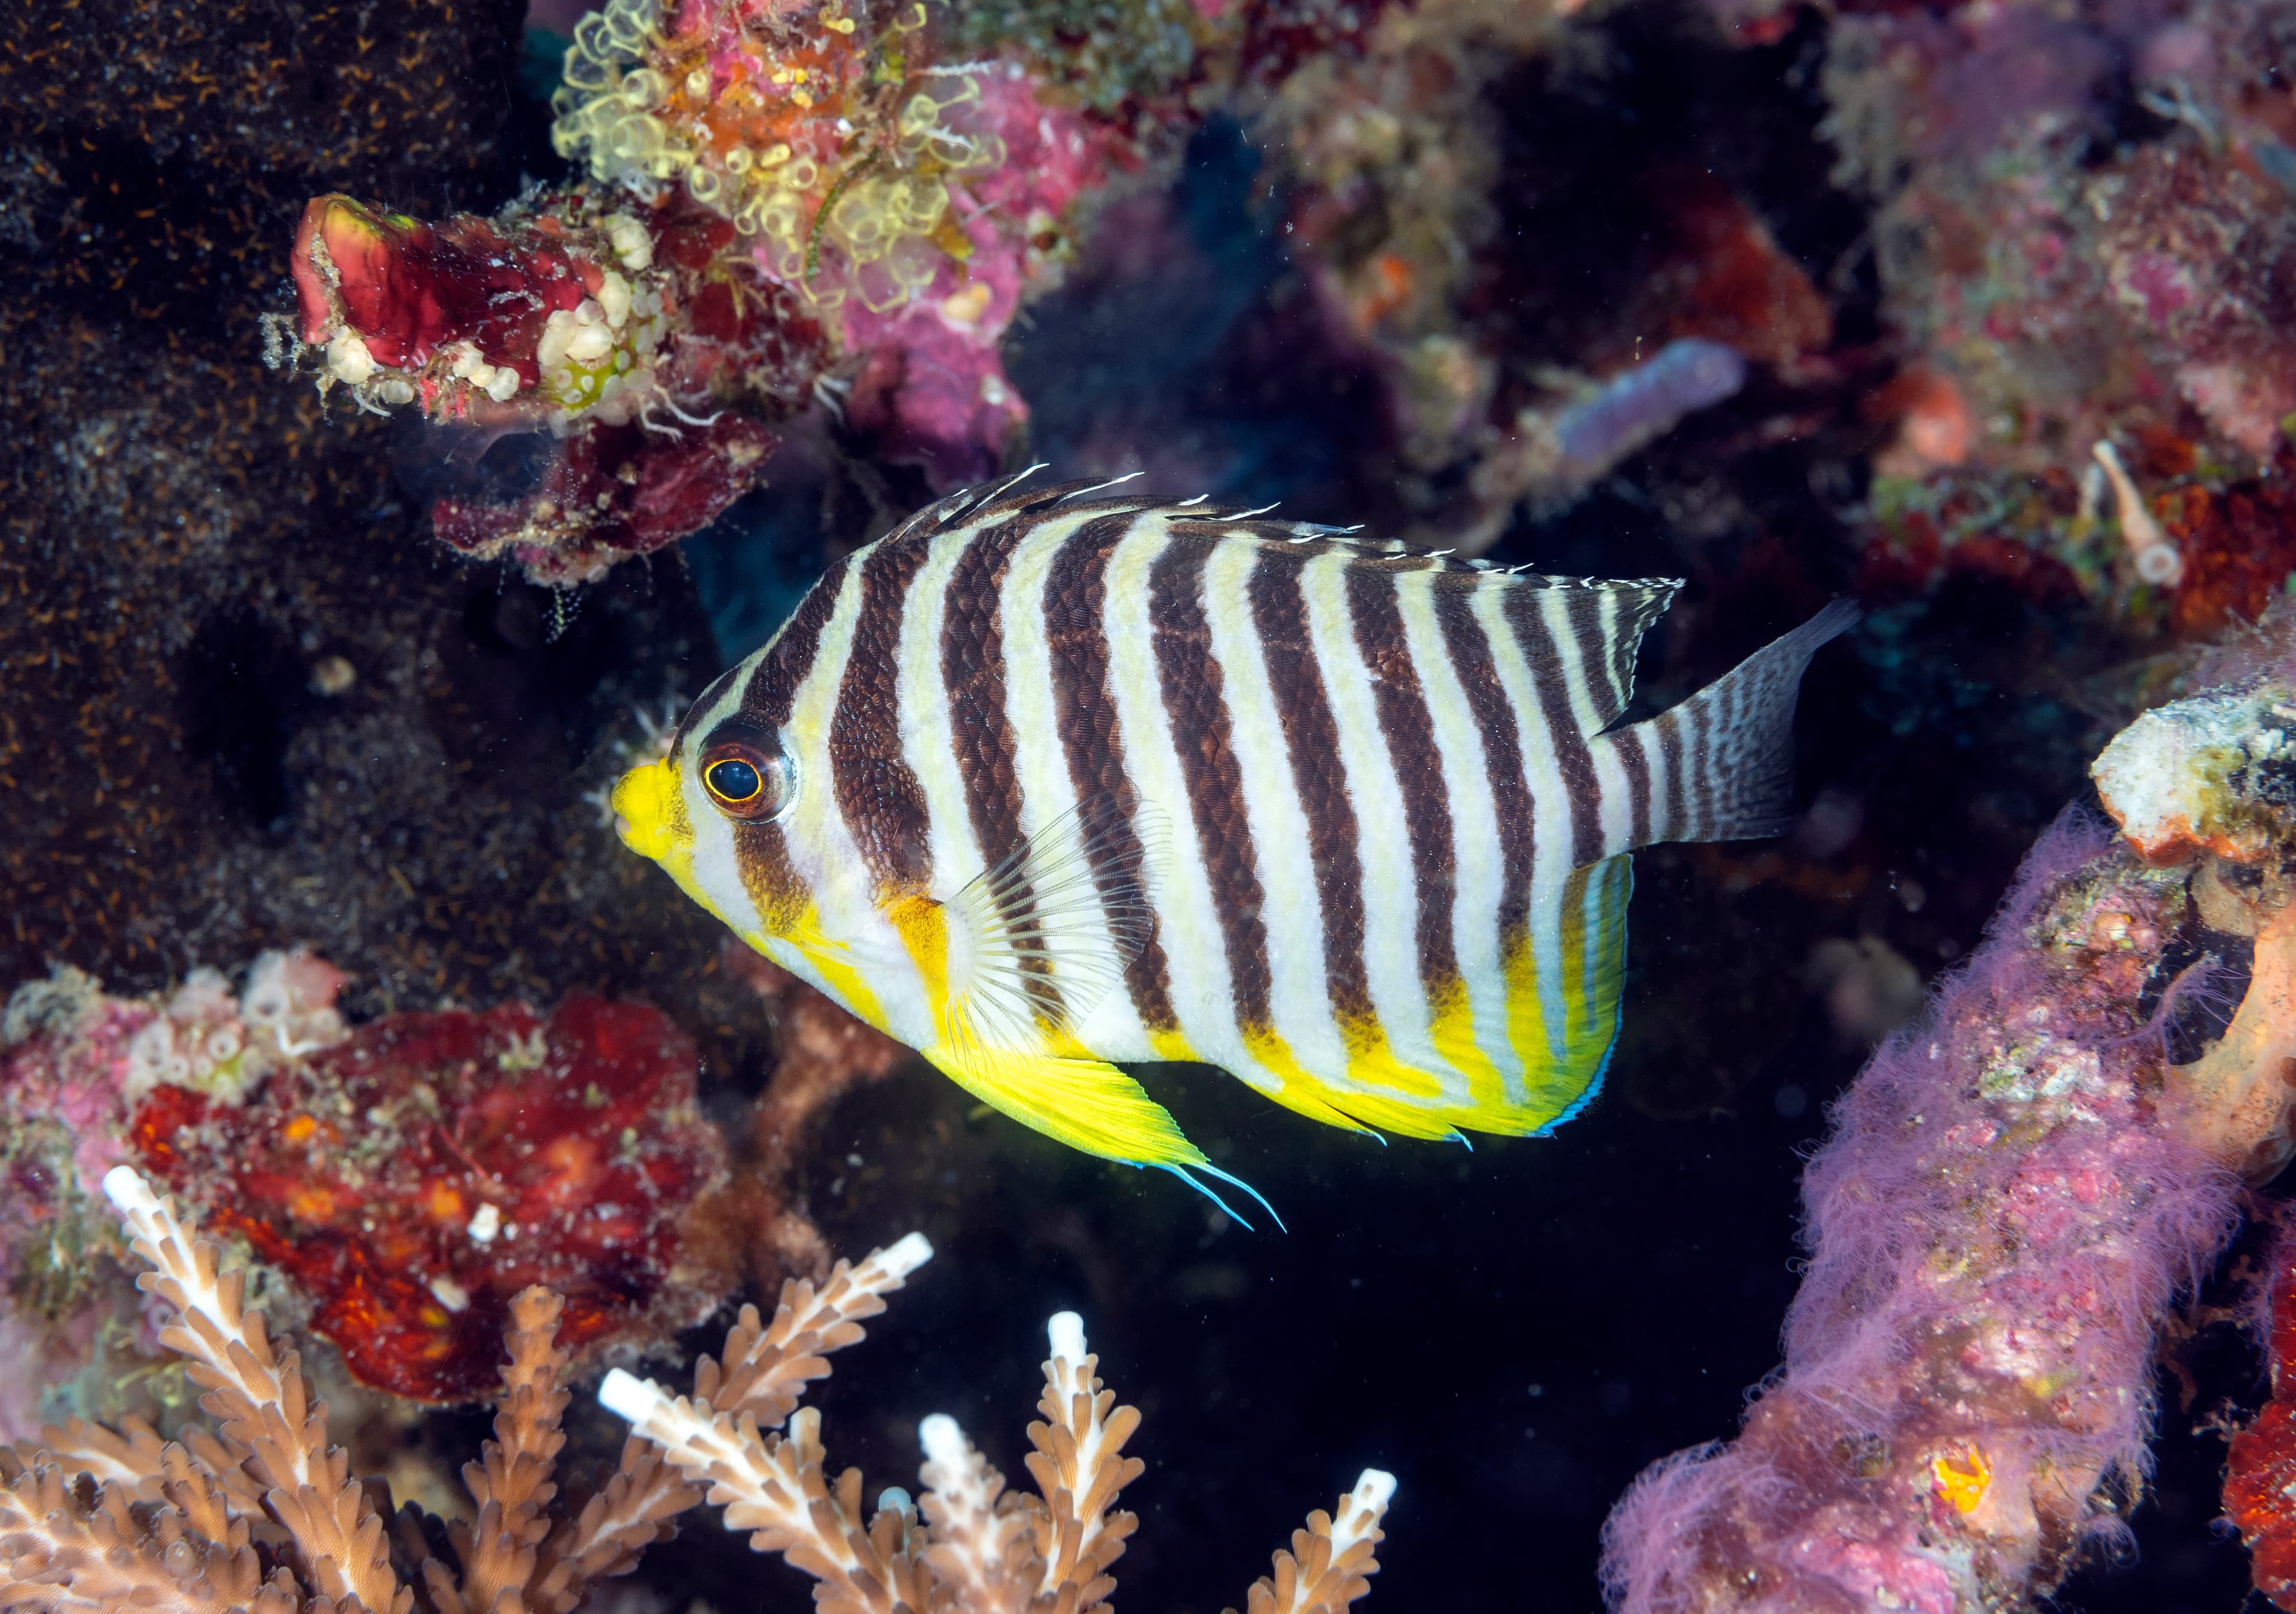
(1719, 766)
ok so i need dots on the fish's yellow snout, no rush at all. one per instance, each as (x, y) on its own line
(642, 809)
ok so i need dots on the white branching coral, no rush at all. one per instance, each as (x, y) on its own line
(969, 1546)
(260, 1515)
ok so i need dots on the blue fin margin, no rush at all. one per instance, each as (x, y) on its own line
(1185, 1174)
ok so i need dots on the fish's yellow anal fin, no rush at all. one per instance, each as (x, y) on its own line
(1085, 1103)
(1384, 1094)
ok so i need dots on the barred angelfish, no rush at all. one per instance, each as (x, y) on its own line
(1044, 784)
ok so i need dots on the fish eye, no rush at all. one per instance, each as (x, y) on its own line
(734, 782)
(744, 781)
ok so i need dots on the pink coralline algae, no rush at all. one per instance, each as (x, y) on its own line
(2013, 1192)
(786, 205)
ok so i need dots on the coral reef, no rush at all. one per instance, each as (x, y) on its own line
(606, 344)
(414, 1177)
(74, 1061)
(2068, 291)
(406, 1176)
(2012, 1191)
(178, 1524)
(1542, 300)
(966, 1543)
(784, 202)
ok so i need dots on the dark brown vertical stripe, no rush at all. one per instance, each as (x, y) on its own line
(760, 850)
(1678, 763)
(1634, 764)
(1311, 735)
(1597, 657)
(877, 792)
(972, 672)
(1573, 760)
(772, 690)
(1076, 590)
(1478, 673)
(1409, 731)
(1195, 702)
(1699, 788)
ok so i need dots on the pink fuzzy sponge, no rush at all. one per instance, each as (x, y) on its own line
(2012, 1195)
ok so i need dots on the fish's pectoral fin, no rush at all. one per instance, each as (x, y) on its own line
(1085, 1103)
(1037, 941)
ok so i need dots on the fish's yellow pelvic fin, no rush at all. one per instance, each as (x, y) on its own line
(645, 803)
(1090, 1105)
(1085, 1103)
(1035, 943)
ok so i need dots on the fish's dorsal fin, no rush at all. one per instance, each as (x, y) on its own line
(1596, 624)
(1037, 941)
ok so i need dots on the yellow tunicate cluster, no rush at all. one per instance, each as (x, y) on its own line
(606, 106)
(836, 210)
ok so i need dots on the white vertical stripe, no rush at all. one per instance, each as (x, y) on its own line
(1474, 818)
(1554, 610)
(1299, 997)
(928, 745)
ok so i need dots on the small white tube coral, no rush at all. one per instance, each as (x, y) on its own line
(2158, 560)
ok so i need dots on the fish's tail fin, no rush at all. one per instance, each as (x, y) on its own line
(1719, 766)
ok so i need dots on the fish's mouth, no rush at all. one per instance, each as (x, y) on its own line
(642, 802)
